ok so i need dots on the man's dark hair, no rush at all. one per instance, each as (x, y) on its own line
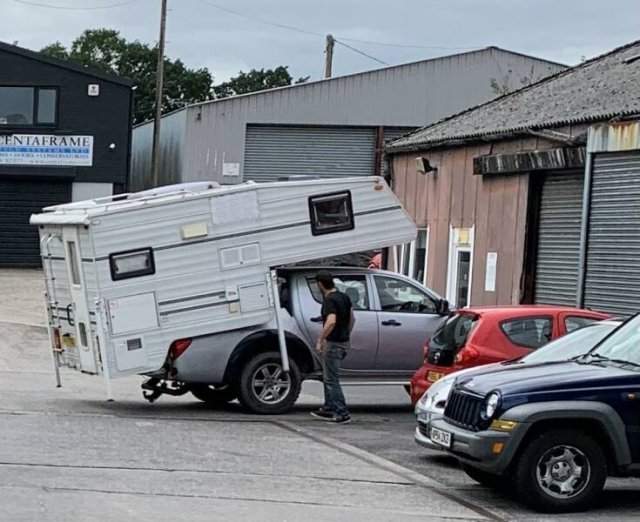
(326, 279)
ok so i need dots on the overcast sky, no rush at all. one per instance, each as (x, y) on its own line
(203, 35)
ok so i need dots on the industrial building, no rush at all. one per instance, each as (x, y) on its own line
(65, 134)
(532, 197)
(331, 127)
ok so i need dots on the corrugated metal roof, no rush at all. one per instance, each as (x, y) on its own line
(598, 89)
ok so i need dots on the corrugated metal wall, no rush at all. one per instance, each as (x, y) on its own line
(559, 239)
(414, 94)
(275, 152)
(612, 281)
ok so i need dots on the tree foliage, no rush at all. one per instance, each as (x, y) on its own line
(256, 80)
(106, 50)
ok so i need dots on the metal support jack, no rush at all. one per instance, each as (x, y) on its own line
(282, 342)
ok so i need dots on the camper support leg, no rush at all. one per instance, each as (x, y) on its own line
(281, 338)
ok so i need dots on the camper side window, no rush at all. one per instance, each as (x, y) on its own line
(133, 263)
(331, 213)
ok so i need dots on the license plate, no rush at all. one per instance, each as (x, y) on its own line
(443, 438)
(434, 376)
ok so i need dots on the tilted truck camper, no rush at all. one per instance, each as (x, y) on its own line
(132, 279)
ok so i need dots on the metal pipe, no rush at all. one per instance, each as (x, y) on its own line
(284, 354)
(584, 230)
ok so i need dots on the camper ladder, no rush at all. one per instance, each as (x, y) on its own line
(53, 321)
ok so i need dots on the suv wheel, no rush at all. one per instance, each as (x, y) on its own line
(211, 395)
(561, 471)
(264, 388)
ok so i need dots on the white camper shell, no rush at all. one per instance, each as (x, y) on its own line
(128, 275)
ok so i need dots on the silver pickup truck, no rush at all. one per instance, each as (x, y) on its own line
(394, 317)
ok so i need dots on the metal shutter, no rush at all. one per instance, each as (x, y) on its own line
(612, 281)
(279, 152)
(19, 243)
(559, 239)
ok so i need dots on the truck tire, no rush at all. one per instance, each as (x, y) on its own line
(486, 479)
(560, 471)
(211, 395)
(264, 388)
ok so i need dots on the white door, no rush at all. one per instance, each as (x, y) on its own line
(80, 315)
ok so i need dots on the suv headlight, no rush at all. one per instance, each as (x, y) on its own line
(491, 404)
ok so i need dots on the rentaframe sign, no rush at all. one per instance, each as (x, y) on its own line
(46, 149)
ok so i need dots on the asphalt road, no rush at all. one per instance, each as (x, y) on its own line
(68, 455)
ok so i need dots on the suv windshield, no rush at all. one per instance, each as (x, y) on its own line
(623, 346)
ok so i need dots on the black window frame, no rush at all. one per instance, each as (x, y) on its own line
(35, 99)
(550, 318)
(337, 228)
(136, 273)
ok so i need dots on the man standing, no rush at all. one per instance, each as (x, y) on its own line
(333, 345)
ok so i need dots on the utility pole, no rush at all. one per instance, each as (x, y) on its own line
(328, 56)
(155, 158)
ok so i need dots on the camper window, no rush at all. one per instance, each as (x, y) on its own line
(331, 213)
(73, 262)
(133, 263)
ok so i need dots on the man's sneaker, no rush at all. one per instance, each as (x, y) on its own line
(340, 419)
(322, 413)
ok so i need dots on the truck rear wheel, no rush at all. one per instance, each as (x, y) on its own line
(211, 395)
(263, 386)
(561, 471)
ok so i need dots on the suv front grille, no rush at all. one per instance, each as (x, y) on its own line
(463, 409)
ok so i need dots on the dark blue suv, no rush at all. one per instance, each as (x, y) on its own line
(555, 431)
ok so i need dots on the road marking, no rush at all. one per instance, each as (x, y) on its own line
(387, 465)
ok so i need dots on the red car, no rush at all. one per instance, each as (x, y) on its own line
(483, 335)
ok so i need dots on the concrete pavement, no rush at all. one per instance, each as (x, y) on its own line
(68, 455)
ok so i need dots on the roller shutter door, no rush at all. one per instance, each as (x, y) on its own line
(278, 152)
(19, 244)
(612, 281)
(559, 239)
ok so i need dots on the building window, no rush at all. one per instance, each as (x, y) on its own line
(28, 106)
(411, 259)
(331, 213)
(134, 263)
(460, 266)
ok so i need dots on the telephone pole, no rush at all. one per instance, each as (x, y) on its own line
(155, 158)
(328, 56)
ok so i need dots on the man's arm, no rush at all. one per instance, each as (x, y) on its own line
(352, 321)
(329, 325)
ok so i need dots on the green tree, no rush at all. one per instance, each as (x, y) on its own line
(106, 50)
(256, 80)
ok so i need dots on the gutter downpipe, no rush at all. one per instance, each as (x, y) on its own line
(584, 228)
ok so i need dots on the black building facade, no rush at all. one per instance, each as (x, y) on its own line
(65, 135)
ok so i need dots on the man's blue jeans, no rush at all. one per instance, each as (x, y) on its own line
(334, 401)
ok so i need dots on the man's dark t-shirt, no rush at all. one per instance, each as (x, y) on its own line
(339, 304)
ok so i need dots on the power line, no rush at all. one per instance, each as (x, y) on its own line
(360, 52)
(74, 8)
(408, 46)
(261, 20)
(314, 33)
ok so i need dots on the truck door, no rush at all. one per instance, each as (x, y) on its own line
(364, 338)
(407, 317)
(80, 309)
